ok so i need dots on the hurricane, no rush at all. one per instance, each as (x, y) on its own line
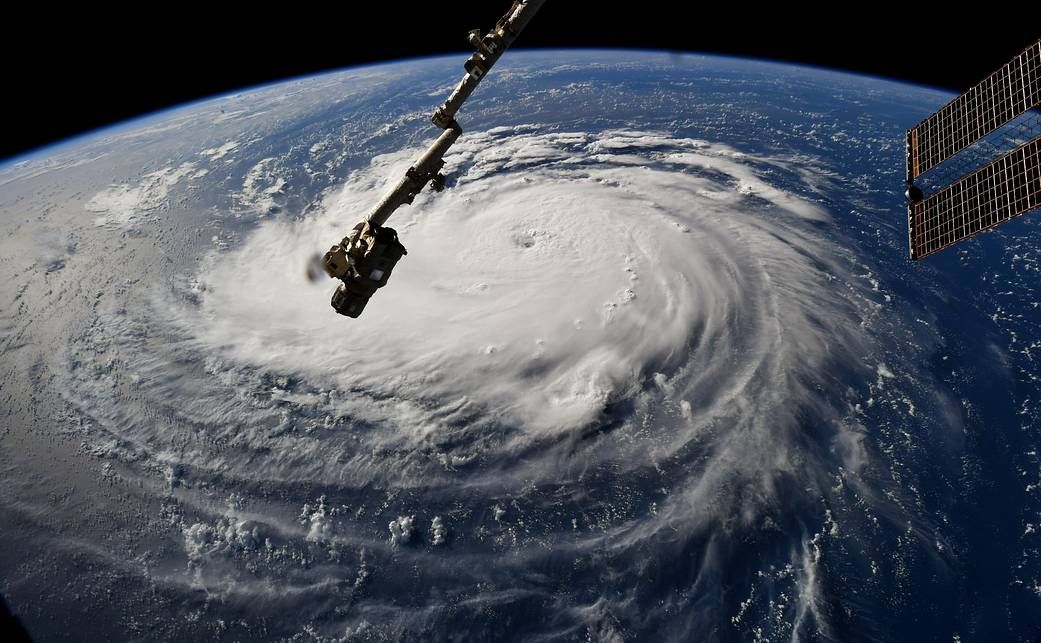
(605, 355)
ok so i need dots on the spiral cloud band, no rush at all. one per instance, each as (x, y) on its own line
(606, 357)
(558, 273)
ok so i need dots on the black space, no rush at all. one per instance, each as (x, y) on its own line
(11, 628)
(73, 70)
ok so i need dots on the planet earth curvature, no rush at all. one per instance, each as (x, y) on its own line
(656, 367)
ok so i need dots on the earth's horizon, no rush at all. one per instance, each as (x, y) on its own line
(49, 149)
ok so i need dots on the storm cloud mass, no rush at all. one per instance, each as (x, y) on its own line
(612, 351)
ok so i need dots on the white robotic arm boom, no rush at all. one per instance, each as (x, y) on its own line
(364, 258)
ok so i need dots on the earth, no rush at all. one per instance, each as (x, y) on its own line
(655, 367)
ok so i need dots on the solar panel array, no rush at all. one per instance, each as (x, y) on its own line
(1005, 188)
(950, 143)
(999, 98)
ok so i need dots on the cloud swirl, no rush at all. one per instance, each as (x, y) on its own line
(607, 356)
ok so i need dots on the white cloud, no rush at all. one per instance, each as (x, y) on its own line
(122, 205)
(438, 531)
(216, 153)
(401, 529)
(579, 277)
(260, 187)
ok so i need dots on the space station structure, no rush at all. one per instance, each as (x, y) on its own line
(364, 259)
(976, 162)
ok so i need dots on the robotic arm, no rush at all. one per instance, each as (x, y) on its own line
(364, 259)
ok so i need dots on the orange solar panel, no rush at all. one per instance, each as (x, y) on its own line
(1006, 188)
(997, 99)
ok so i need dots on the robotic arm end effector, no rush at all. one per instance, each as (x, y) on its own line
(363, 261)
